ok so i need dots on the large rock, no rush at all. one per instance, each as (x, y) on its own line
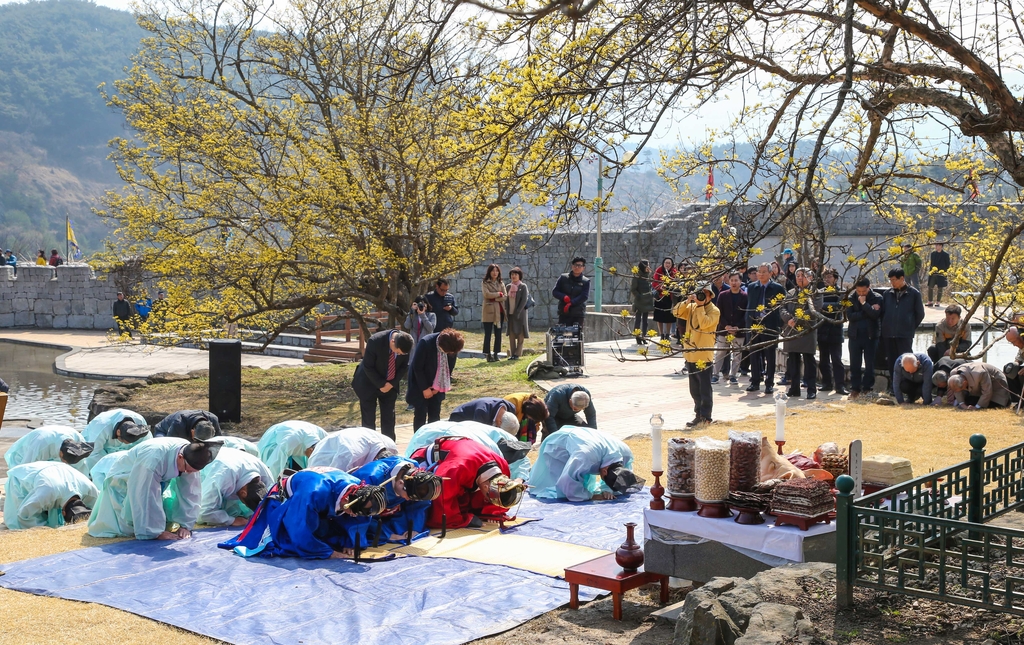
(747, 612)
(167, 377)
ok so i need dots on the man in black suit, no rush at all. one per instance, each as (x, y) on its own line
(430, 379)
(764, 299)
(377, 377)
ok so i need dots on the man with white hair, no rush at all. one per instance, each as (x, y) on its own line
(982, 380)
(564, 402)
(912, 378)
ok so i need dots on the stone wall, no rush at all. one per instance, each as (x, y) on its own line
(65, 297)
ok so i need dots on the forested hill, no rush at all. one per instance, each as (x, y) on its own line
(54, 124)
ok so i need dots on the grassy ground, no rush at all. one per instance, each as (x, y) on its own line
(930, 437)
(322, 394)
(475, 341)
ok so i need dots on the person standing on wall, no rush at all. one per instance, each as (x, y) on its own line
(492, 314)
(378, 377)
(571, 293)
(443, 305)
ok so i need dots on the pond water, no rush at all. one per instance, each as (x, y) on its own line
(40, 393)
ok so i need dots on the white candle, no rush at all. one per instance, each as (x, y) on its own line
(780, 418)
(656, 423)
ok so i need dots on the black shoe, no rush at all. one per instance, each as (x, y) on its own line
(793, 394)
(753, 387)
(841, 392)
(825, 388)
(696, 422)
(491, 358)
(769, 390)
(811, 396)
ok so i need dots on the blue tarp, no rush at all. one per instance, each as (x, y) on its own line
(196, 586)
(599, 525)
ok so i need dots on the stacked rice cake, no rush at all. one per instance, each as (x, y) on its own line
(803, 497)
(886, 469)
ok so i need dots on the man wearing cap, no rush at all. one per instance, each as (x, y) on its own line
(902, 313)
(190, 425)
(580, 464)
(350, 448)
(409, 491)
(498, 441)
(314, 514)
(113, 431)
(701, 316)
(477, 485)
(232, 487)
(378, 377)
(50, 443)
(132, 500)
(288, 445)
(47, 493)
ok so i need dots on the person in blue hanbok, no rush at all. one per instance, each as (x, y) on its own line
(318, 513)
(409, 490)
(351, 448)
(115, 430)
(50, 443)
(47, 493)
(498, 441)
(152, 487)
(288, 445)
(233, 486)
(580, 464)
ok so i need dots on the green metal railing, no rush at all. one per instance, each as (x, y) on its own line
(927, 537)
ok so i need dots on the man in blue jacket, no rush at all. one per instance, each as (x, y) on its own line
(443, 305)
(571, 292)
(864, 311)
(430, 376)
(902, 313)
(764, 299)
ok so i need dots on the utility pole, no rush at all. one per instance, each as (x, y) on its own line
(598, 262)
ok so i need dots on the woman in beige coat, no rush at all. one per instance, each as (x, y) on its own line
(493, 313)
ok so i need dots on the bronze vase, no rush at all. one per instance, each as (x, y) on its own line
(629, 555)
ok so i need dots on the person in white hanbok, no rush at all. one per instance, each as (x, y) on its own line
(114, 431)
(233, 485)
(50, 443)
(580, 464)
(500, 442)
(46, 493)
(288, 445)
(351, 448)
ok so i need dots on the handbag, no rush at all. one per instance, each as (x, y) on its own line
(530, 302)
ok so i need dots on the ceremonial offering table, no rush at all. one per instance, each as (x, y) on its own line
(604, 573)
(685, 545)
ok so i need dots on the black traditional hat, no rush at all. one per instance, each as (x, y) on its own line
(128, 430)
(75, 510)
(199, 454)
(253, 493)
(622, 480)
(513, 450)
(72, 451)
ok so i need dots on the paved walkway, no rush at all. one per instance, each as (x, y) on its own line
(92, 355)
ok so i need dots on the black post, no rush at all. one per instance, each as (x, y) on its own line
(846, 556)
(976, 480)
(226, 379)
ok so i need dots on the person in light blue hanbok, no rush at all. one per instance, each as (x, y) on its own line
(351, 448)
(239, 443)
(99, 472)
(498, 441)
(152, 487)
(580, 464)
(50, 443)
(314, 514)
(114, 431)
(233, 486)
(288, 445)
(47, 493)
(409, 490)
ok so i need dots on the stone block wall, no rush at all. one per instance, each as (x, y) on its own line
(65, 297)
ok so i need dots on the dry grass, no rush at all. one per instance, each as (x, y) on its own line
(322, 394)
(931, 438)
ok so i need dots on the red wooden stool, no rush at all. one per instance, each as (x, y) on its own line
(604, 573)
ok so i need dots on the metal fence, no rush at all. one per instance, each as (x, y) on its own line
(927, 537)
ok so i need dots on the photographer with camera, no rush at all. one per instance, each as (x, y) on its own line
(421, 320)
(701, 316)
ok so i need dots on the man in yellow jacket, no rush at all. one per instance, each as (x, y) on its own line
(701, 316)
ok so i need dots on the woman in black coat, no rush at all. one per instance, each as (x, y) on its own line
(429, 378)
(830, 336)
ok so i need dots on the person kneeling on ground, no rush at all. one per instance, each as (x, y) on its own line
(351, 448)
(479, 486)
(50, 443)
(580, 464)
(530, 412)
(151, 488)
(488, 410)
(978, 385)
(232, 487)
(564, 403)
(313, 514)
(496, 440)
(113, 431)
(912, 377)
(409, 491)
(940, 376)
(288, 445)
(47, 493)
(190, 425)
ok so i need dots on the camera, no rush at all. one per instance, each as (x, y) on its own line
(700, 295)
